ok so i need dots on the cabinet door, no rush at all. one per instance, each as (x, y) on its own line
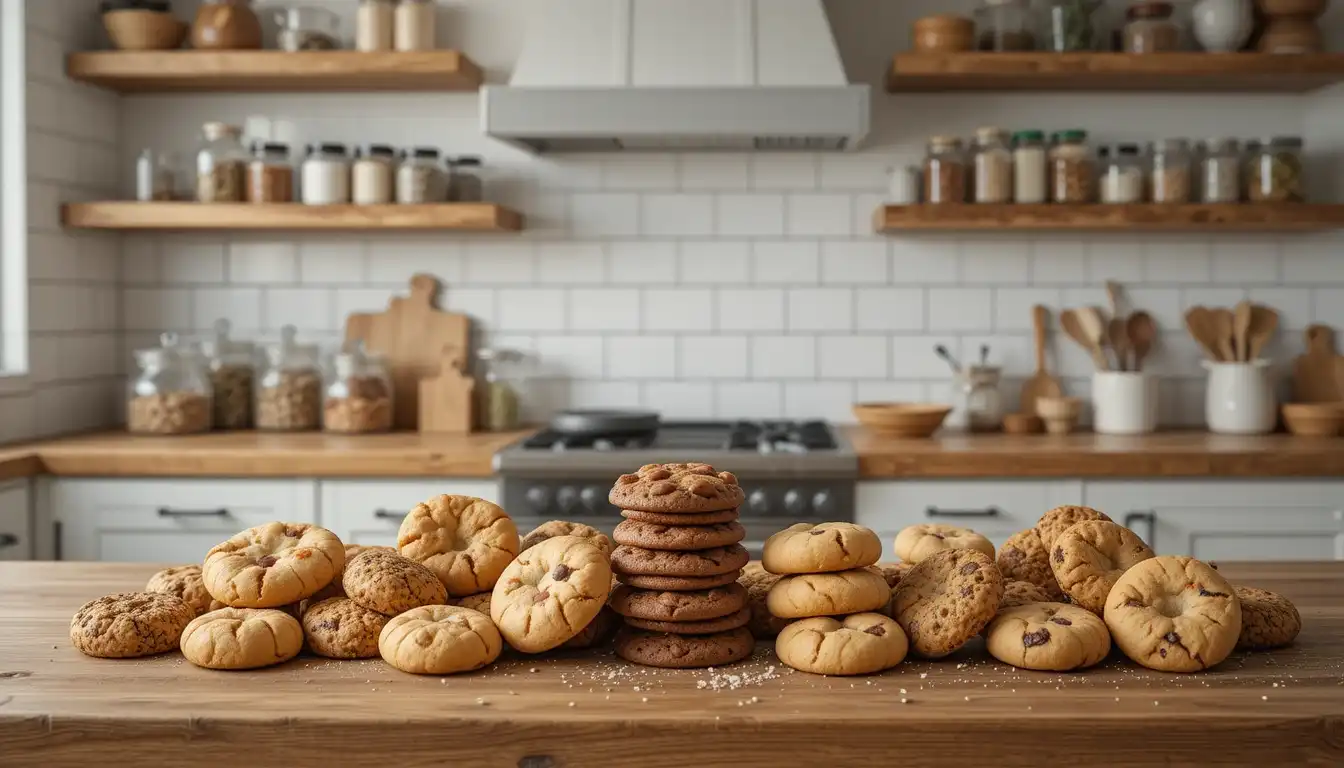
(1230, 520)
(166, 521)
(16, 521)
(371, 511)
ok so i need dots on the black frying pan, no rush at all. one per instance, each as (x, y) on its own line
(605, 423)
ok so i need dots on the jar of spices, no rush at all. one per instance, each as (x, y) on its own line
(374, 25)
(976, 392)
(419, 177)
(1275, 171)
(289, 388)
(464, 180)
(1220, 171)
(232, 367)
(944, 171)
(499, 396)
(221, 163)
(373, 174)
(992, 167)
(414, 25)
(1005, 25)
(358, 396)
(270, 177)
(1029, 161)
(1070, 24)
(1122, 175)
(169, 395)
(1169, 181)
(326, 175)
(1072, 168)
(1151, 28)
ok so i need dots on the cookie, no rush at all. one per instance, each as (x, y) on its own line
(185, 583)
(677, 583)
(127, 625)
(1060, 519)
(477, 602)
(860, 644)
(335, 589)
(683, 518)
(674, 488)
(550, 530)
(893, 572)
(821, 548)
(828, 594)
(678, 606)
(1024, 558)
(946, 600)
(1268, 619)
(272, 565)
(652, 562)
(733, 620)
(916, 542)
(1090, 557)
(1173, 614)
(1017, 593)
(439, 640)
(598, 631)
(340, 628)
(1051, 637)
(678, 538)
(242, 638)
(764, 625)
(391, 584)
(660, 649)
(467, 542)
(550, 593)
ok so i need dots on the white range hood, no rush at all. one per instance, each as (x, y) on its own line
(608, 75)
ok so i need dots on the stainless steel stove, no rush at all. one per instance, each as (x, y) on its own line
(790, 471)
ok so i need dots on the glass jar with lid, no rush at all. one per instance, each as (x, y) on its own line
(289, 387)
(1005, 25)
(420, 179)
(170, 394)
(501, 369)
(1220, 171)
(270, 176)
(326, 175)
(373, 176)
(992, 167)
(221, 162)
(1072, 168)
(976, 392)
(465, 184)
(1169, 180)
(232, 368)
(944, 171)
(1123, 176)
(1070, 25)
(1275, 171)
(1151, 27)
(1029, 161)
(358, 397)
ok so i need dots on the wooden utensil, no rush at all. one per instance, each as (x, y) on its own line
(1072, 324)
(1113, 296)
(1095, 328)
(1118, 334)
(1142, 332)
(1223, 334)
(1241, 330)
(445, 400)
(1204, 328)
(412, 334)
(1264, 323)
(1042, 384)
(1316, 374)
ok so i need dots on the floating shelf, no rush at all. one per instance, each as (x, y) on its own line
(476, 217)
(1249, 217)
(274, 71)
(1044, 71)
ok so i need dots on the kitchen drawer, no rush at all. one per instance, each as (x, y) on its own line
(370, 511)
(16, 521)
(995, 508)
(169, 521)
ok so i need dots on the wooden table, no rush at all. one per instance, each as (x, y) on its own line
(60, 708)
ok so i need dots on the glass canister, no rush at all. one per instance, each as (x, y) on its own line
(993, 166)
(944, 171)
(419, 177)
(1123, 179)
(232, 367)
(1029, 162)
(1169, 181)
(1220, 171)
(373, 176)
(1071, 26)
(501, 369)
(1274, 171)
(326, 175)
(1005, 25)
(1072, 168)
(270, 176)
(358, 396)
(221, 164)
(1151, 27)
(169, 395)
(976, 392)
(465, 182)
(289, 389)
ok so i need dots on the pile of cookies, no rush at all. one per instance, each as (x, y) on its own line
(678, 562)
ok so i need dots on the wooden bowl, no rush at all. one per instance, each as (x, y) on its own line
(1305, 8)
(140, 30)
(1314, 419)
(1023, 424)
(1060, 414)
(902, 419)
(944, 33)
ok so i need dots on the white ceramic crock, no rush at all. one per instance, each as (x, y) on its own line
(1222, 26)
(1240, 398)
(1124, 403)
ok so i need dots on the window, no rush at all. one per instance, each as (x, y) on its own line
(13, 190)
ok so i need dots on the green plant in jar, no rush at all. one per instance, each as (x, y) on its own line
(1070, 24)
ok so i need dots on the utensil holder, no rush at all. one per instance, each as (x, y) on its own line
(1240, 398)
(1124, 403)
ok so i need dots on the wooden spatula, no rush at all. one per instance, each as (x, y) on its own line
(1204, 329)
(1042, 384)
(1118, 334)
(1241, 330)
(1142, 334)
(1224, 325)
(1264, 323)
(1071, 321)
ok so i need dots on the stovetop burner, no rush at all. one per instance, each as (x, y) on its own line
(754, 436)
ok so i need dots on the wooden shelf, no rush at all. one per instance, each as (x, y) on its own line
(479, 217)
(252, 71)
(1248, 217)
(1044, 71)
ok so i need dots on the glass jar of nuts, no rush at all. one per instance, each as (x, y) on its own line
(358, 393)
(1274, 171)
(221, 165)
(944, 171)
(170, 395)
(232, 369)
(289, 389)
(1170, 179)
(1073, 169)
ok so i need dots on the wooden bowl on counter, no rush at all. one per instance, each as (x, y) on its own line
(1060, 414)
(1314, 419)
(902, 419)
(944, 33)
(137, 29)
(1023, 424)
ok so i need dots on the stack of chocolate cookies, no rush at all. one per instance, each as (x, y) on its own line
(677, 562)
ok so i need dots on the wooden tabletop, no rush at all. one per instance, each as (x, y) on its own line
(587, 708)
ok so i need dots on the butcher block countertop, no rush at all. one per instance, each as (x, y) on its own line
(59, 708)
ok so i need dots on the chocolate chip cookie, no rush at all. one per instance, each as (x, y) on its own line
(678, 606)
(946, 600)
(186, 584)
(828, 594)
(677, 583)
(860, 644)
(676, 488)
(1088, 558)
(658, 649)
(439, 640)
(1268, 619)
(1174, 614)
(1023, 558)
(1060, 519)
(242, 638)
(821, 548)
(758, 581)
(707, 562)
(917, 542)
(733, 620)
(682, 518)
(272, 565)
(467, 542)
(678, 538)
(340, 628)
(553, 528)
(1051, 637)
(550, 593)
(127, 625)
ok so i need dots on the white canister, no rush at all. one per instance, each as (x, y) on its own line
(1240, 398)
(1124, 403)
(413, 25)
(903, 185)
(325, 175)
(1223, 26)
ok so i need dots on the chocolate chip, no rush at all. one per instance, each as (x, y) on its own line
(1061, 621)
(1172, 637)
(966, 591)
(1206, 593)
(816, 532)
(969, 568)
(330, 624)
(293, 532)
(1059, 554)
(267, 561)
(1033, 639)
(561, 572)
(1162, 652)
(876, 629)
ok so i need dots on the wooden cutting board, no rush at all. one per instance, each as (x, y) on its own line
(446, 399)
(1318, 375)
(412, 333)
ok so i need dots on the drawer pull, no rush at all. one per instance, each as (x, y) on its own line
(8, 540)
(986, 512)
(1150, 518)
(169, 512)
(388, 514)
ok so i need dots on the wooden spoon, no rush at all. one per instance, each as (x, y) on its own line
(1224, 325)
(1264, 322)
(1203, 328)
(1241, 329)
(1118, 335)
(1113, 296)
(1094, 325)
(1142, 333)
(1078, 330)
(1042, 384)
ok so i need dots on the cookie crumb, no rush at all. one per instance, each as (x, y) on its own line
(1264, 698)
(923, 675)
(904, 700)
(645, 699)
(966, 698)
(533, 669)
(571, 703)
(902, 690)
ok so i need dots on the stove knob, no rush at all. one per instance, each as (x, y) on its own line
(539, 498)
(794, 503)
(592, 498)
(758, 502)
(566, 498)
(823, 504)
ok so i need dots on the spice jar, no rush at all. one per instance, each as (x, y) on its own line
(326, 175)
(992, 166)
(464, 180)
(1151, 28)
(499, 396)
(169, 395)
(1122, 175)
(289, 389)
(373, 25)
(1072, 168)
(270, 177)
(944, 171)
(1220, 171)
(220, 164)
(1029, 161)
(976, 391)
(358, 394)
(1005, 25)
(232, 368)
(1275, 171)
(1070, 25)
(414, 25)
(372, 175)
(1169, 181)
(153, 176)
(419, 177)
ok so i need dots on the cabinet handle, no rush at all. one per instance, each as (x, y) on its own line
(8, 540)
(168, 512)
(986, 512)
(57, 549)
(388, 514)
(1149, 517)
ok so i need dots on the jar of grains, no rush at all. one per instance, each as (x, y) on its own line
(1151, 28)
(232, 367)
(1029, 161)
(169, 395)
(1122, 175)
(1274, 172)
(1220, 171)
(289, 389)
(993, 167)
(358, 393)
(372, 176)
(374, 25)
(326, 175)
(221, 163)
(944, 171)
(465, 184)
(1072, 168)
(1005, 25)
(419, 177)
(414, 25)
(1169, 181)
(498, 407)
(270, 177)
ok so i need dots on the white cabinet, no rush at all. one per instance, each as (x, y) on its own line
(1230, 519)
(16, 521)
(370, 511)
